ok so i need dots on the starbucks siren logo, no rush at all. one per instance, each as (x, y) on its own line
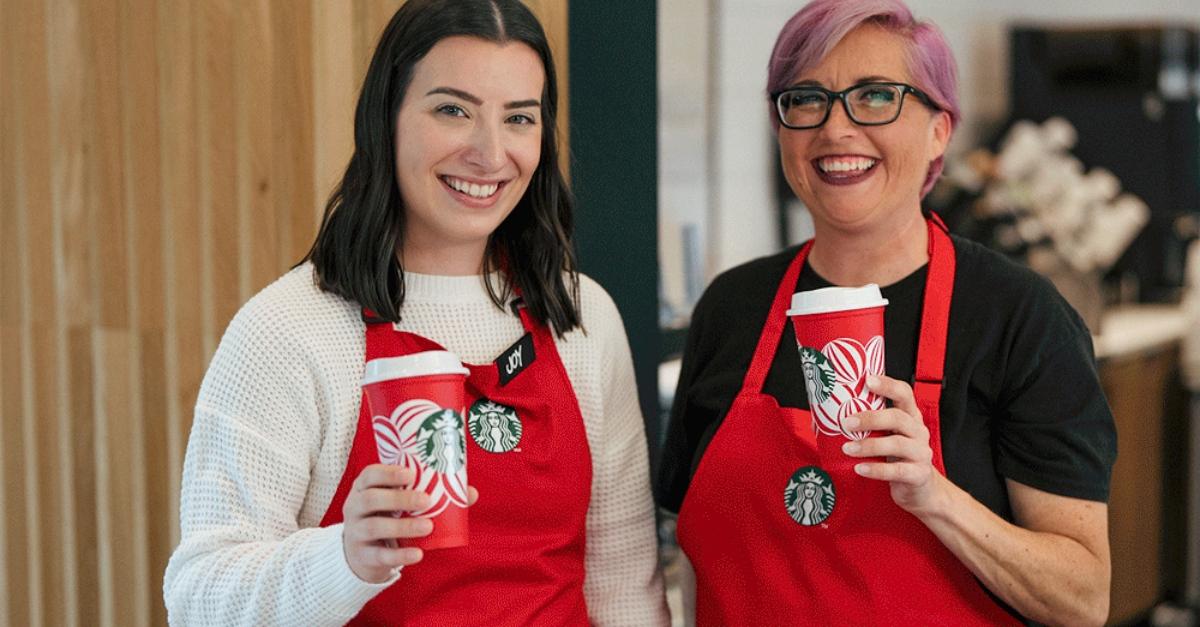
(818, 374)
(836, 379)
(440, 442)
(809, 496)
(496, 428)
(427, 438)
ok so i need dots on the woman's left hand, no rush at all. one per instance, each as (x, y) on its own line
(903, 443)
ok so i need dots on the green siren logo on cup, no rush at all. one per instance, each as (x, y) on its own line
(836, 378)
(809, 496)
(496, 428)
(440, 442)
(818, 374)
(427, 438)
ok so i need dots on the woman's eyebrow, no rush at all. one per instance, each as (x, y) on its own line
(475, 100)
(874, 78)
(521, 104)
(457, 93)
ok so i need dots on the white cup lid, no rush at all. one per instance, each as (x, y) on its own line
(831, 299)
(414, 365)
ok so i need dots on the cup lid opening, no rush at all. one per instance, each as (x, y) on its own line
(832, 299)
(415, 365)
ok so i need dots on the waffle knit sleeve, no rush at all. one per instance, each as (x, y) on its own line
(244, 558)
(623, 585)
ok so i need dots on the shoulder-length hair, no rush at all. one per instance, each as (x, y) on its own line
(814, 31)
(355, 252)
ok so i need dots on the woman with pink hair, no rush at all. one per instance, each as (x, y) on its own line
(981, 500)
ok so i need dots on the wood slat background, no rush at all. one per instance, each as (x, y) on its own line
(160, 162)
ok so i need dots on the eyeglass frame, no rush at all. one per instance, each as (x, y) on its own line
(832, 96)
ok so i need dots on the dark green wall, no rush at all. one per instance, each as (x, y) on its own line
(614, 131)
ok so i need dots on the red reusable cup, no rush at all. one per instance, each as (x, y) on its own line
(839, 331)
(417, 404)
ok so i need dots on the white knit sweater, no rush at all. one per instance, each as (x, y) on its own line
(273, 427)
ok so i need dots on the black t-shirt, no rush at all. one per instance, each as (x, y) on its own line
(1021, 397)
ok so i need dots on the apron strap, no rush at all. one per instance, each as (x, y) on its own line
(768, 340)
(935, 313)
(517, 306)
(935, 324)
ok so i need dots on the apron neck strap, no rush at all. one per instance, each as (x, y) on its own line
(517, 306)
(768, 340)
(935, 311)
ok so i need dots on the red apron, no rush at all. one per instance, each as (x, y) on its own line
(528, 456)
(777, 535)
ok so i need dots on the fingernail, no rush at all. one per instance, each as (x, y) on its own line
(412, 555)
(850, 422)
(872, 380)
(426, 526)
(862, 469)
(851, 447)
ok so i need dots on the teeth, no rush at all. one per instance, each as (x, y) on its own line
(846, 165)
(472, 189)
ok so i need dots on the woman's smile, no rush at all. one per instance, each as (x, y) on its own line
(844, 169)
(472, 192)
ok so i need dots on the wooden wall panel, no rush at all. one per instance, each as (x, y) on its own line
(54, 200)
(19, 588)
(220, 183)
(160, 162)
(334, 93)
(16, 589)
(9, 275)
(162, 498)
(10, 267)
(296, 197)
(84, 570)
(256, 130)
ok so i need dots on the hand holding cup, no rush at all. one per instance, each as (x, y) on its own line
(902, 454)
(372, 531)
(417, 403)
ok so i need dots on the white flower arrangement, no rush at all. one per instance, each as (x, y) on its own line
(1061, 213)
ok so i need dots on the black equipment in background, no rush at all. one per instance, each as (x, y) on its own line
(1133, 94)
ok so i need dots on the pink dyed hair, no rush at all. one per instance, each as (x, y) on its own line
(817, 28)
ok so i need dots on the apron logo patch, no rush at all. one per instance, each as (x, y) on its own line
(428, 438)
(517, 358)
(495, 428)
(809, 496)
(835, 378)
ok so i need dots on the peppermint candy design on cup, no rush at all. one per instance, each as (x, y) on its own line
(836, 381)
(427, 438)
(875, 365)
(849, 359)
(852, 406)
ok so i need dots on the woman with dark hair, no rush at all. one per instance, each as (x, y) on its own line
(980, 500)
(451, 227)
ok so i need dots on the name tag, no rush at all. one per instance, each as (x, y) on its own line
(516, 358)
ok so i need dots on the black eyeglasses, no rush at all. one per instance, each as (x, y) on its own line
(867, 104)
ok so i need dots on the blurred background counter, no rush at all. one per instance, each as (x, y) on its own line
(1139, 351)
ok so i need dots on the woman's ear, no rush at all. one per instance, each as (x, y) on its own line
(939, 138)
